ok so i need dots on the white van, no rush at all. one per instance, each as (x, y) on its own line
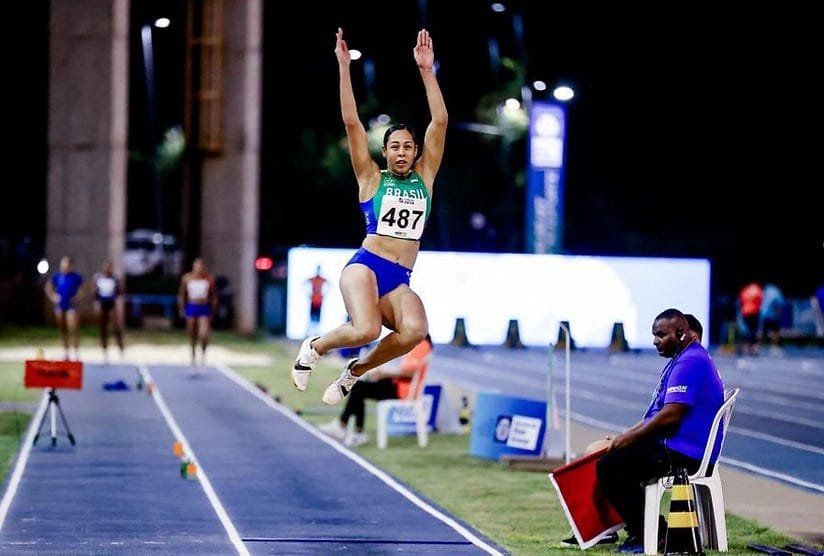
(149, 251)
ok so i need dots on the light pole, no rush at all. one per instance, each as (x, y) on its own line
(551, 447)
(151, 102)
(545, 126)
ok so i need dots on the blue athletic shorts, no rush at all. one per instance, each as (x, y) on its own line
(198, 310)
(64, 306)
(390, 275)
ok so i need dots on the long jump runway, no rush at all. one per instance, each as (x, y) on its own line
(267, 483)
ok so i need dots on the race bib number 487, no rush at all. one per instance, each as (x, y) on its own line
(402, 217)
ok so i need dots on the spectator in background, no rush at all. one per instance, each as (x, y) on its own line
(817, 303)
(749, 310)
(819, 297)
(224, 316)
(64, 290)
(108, 292)
(378, 385)
(770, 317)
(317, 289)
(696, 330)
(197, 300)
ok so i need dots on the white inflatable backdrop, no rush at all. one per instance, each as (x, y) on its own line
(487, 290)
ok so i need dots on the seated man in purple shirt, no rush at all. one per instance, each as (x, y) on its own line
(673, 432)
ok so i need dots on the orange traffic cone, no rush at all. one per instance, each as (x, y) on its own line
(683, 536)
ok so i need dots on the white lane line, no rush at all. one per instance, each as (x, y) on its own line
(589, 421)
(620, 403)
(730, 461)
(22, 459)
(466, 385)
(740, 407)
(781, 416)
(781, 401)
(777, 440)
(482, 370)
(389, 481)
(234, 537)
(774, 474)
(605, 425)
(749, 384)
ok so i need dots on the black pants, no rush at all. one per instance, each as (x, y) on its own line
(365, 390)
(623, 473)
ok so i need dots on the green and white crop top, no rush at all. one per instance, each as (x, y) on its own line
(399, 208)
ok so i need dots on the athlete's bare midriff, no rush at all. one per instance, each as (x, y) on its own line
(401, 251)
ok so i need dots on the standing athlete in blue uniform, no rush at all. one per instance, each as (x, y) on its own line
(63, 290)
(396, 203)
(674, 430)
(197, 302)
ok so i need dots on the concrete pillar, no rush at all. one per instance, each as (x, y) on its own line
(88, 142)
(230, 181)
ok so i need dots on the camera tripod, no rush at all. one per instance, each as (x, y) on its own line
(52, 410)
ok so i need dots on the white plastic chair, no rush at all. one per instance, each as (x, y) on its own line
(414, 400)
(708, 493)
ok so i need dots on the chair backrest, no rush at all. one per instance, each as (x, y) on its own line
(720, 424)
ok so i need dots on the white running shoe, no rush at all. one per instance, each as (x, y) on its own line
(339, 389)
(357, 439)
(305, 362)
(334, 428)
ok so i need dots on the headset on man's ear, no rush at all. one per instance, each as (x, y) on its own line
(682, 335)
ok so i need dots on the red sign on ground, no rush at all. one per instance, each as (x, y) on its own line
(54, 374)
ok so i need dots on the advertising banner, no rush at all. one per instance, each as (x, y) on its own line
(506, 425)
(545, 178)
(401, 420)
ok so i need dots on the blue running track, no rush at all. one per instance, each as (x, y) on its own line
(267, 482)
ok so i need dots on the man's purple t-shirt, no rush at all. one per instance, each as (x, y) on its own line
(692, 379)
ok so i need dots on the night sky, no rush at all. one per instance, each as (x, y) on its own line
(692, 133)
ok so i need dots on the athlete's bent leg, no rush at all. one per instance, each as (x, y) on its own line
(359, 288)
(404, 313)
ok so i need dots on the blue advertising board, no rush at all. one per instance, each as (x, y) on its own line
(506, 425)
